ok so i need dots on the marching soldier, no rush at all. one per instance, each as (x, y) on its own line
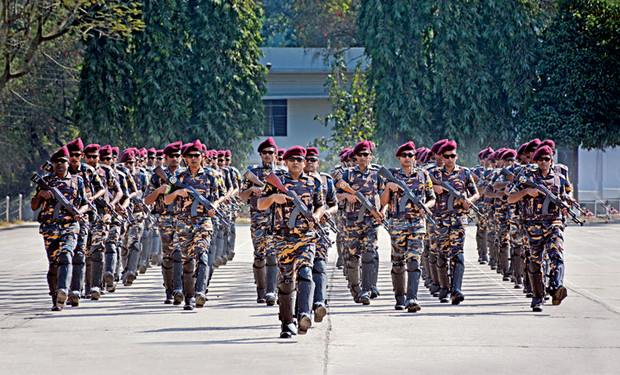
(431, 251)
(340, 222)
(294, 238)
(407, 226)
(59, 223)
(236, 180)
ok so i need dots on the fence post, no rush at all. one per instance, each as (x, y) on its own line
(8, 201)
(21, 203)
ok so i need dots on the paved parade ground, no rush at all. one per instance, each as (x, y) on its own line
(493, 330)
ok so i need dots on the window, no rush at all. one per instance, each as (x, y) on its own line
(275, 118)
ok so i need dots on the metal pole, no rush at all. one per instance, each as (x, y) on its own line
(8, 201)
(21, 197)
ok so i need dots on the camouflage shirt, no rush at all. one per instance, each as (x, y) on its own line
(420, 184)
(369, 183)
(261, 172)
(158, 206)
(461, 180)
(72, 187)
(206, 185)
(539, 208)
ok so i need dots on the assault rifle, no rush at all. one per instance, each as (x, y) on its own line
(300, 208)
(409, 196)
(60, 199)
(366, 204)
(248, 175)
(454, 194)
(331, 224)
(198, 198)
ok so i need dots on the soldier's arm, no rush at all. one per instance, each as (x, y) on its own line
(35, 203)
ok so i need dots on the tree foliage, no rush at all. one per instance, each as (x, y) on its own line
(576, 97)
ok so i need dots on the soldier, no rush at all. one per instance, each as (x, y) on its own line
(480, 172)
(295, 243)
(236, 180)
(159, 158)
(451, 221)
(194, 229)
(431, 252)
(407, 226)
(362, 223)
(165, 219)
(544, 227)
(319, 267)
(280, 161)
(340, 221)
(265, 263)
(59, 225)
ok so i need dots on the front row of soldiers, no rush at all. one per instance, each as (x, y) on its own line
(423, 205)
(107, 219)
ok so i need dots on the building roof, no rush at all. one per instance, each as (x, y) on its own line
(304, 60)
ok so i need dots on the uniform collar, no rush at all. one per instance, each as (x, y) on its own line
(67, 176)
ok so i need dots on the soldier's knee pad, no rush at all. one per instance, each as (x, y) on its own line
(286, 287)
(413, 265)
(352, 262)
(110, 247)
(203, 258)
(271, 260)
(319, 266)
(79, 258)
(398, 269)
(259, 263)
(459, 258)
(189, 266)
(305, 273)
(64, 259)
(97, 255)
(177, 256)
(441, 262)
(368, 257)
(167, 262)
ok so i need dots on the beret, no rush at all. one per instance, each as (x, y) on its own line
(447, 146)
(363, 145)
(194, 146)
(547, 142)
(312, 151)
(269, 142)
(75, 145)
(532, 145)
(437, 145)
(127, 155)
(227, 153)
(159, 152)
(61, 155)
(281, 151)
(93, 147)
(521, 149)
(405, 147)
(173, 148)
(293, 151)
(344, 151)
(115, 151)
(105, 150)
(152, 151)
(221, 153)
(508, 153)
(544, 150)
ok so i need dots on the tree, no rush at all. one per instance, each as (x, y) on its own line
(576, 96)
(352, 119)
(28, 25)
(326, 23)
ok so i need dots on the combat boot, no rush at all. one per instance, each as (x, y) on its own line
(457, 279)
(368, 274)
(413, 282)
(55, 306)
(305, 294)
(443, 295)
(169, 298)
(320, 289)
(188, 304)
(271, 278)
(374, 291)
(74, 298)
(286, 297)
(398, 285)
(177, 277)
(110, 267)
(61, 298)
(260, 279)
(201, 280)
(352, 269)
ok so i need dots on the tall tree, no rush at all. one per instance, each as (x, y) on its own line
(576, 97)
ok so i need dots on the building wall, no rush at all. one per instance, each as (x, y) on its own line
(599, 174)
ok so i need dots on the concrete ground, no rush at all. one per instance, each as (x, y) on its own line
(493, 330)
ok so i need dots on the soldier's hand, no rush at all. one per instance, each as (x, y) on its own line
(564, 211)
(467, 204)
(281, 198)
(533, 192)
(182, 193)
(45, 194)
(343, 185)
(438, 189)
(351, 198)
(392, 186)
(256, 190)
(211, 213)
(378, 215)
(162, 189)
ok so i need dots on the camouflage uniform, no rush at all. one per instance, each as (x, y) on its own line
(192, 237)
(230, 245)
(221, 231)
(451, 231)
(502, 214)
(131, 248)
(481, 221)
(265, 264)
(295, 245)
(340, 224)
(407, 231)
(545, 233)
(431, 250)
(362, 233)
(60, 232)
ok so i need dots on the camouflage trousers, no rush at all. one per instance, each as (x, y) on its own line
(167, 228)
(322, 249)
(98, 236)
(503, 243)
(407, 237)
(59, 238)
(192, 236)
(261, 238)
(545, 236)
(293, 252)
(450, 236)
(361, 237)
(481, 238)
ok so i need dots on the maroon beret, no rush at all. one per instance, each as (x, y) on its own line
(483, 153)
(93, 147)
(419, 151)
(269, 142)
(227, 153)
(437, 146)
(447, 146)
(509, 153)
(194, 146)
(497, 155)
(159, 153)
(344, 154)
(363, 145)
(532, 145)
(152, 151)
(61, 155)
(116, 151)
(75, 145)
(312, 151)
(143, 152)
(127, 155)
(521, 149)
(294, 151)
(544, 150)
(173, 148)
(547, 142)
(221, 153)
(343, 151)
(405, 147)
(281, 151)
(105, 150)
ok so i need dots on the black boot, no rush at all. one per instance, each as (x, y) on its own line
(177, 269)
(374, 291)
(96, 275)
(413, 281)
(286, 298)
(271, 278)
(352, 269)
(260, 278)
(398, 285)
(319, 277)
(201, 280)
(110, 267)
(368, 275)
(457, 279)
(305, 293)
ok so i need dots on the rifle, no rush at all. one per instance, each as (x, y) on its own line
(366, 205)
(454, 194)
(409, 196)
(300, 208)
(105, 204)
(248, 175)
(198, 198)
(61, 199)
(550, 198)
(332, 225)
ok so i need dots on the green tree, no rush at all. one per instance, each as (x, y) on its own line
(326, 23)
(576, 97)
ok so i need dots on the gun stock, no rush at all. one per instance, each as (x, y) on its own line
(248, 175)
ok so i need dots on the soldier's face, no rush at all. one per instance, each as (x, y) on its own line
(221, 162)
(544, 162)
(75, 157)
(407, 159)
(268, 155)
(91, 159)
(438, 160)
(173, 160)
(129, 165)
(60, 167)
(194, 159)
(364, 157)
(296, 164)
(449, 158)
(159, 161)
(312, 164)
